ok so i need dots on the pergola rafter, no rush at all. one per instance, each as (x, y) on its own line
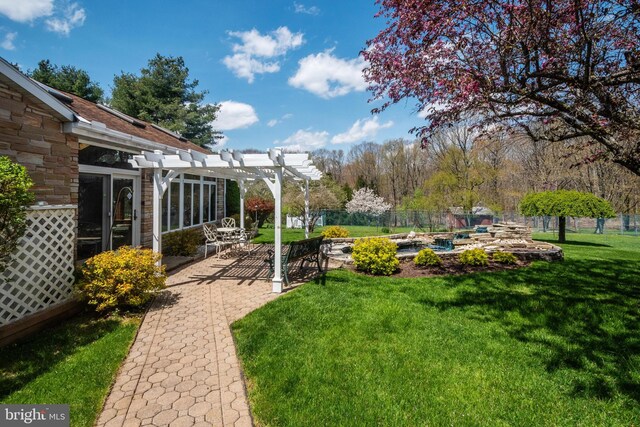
(272, 168)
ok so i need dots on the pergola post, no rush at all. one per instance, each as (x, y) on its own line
(157, 209)
(243, 191)
(277, 194)
(306, 209)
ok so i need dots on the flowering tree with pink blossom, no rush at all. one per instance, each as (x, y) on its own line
(366, 201)
(570, 64)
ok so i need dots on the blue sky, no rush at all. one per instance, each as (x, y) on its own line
(287, 73)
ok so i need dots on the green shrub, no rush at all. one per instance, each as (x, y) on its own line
(474, 257)
(504, 257)
(127, 277)
(375, 255)
(182, 243)
(335, 231)
(248, 222)
(385, 230)
(427, 257)
(14, 199)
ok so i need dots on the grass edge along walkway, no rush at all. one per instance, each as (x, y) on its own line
(73, 363)
(552, 344)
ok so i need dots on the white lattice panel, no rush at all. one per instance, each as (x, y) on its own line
(41, 270)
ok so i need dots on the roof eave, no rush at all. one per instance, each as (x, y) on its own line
(102, 134)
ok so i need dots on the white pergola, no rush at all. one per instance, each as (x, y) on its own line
(272, 168)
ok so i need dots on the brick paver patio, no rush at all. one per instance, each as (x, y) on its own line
(182, 369)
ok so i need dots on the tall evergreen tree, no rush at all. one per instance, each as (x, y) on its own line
(67, 78)
(164, 94)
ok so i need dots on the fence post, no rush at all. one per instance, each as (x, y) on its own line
(621, 224)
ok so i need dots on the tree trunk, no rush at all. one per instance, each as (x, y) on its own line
(562, 229)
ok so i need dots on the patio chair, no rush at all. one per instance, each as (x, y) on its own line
(242, 240)
(253, 232)
(211, 239)
(228, 222)
(228, 238)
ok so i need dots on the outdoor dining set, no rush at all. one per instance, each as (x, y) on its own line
(228, 236)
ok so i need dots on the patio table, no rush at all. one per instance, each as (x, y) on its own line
(228, 229)
(229, 235)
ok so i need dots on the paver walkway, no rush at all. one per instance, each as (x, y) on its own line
(182, 369)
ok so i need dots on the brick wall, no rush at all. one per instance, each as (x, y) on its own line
(33, 137)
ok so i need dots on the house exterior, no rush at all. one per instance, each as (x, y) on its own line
(114, 198)
(77, 152)
(78, 155)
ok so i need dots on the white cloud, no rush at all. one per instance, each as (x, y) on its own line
(7, 42)
(235, 115)
(60, 18)
(73, 16)
(432, 108)
(268, 46)
(304, 140)
(246, 67)
(219, 143)
(256, 52)
(328, 76)
(26, 10)
(300, 8)
(361, 130)
(271, 123)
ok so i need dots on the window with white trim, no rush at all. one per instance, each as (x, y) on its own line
(189, 201)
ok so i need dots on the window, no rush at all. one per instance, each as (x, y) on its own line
(196, 205)
(189, 201)
(174, 207)
(105, 157)
(205, 203)
(187, 189)
(213, 212)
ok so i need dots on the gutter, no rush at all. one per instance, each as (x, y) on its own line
(99, 132)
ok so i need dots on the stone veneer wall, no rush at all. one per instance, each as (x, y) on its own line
(146, 208)
(34, 138)
(220, 211)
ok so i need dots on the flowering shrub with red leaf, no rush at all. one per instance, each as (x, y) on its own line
(264, 208)
(574, 64)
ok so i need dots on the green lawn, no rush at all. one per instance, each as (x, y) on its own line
(265, 235)
(73, 363)
(553, 344)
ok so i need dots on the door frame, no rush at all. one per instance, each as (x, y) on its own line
(137, 197)
(135, 237)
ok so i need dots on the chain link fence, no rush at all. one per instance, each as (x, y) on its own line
(628, 224)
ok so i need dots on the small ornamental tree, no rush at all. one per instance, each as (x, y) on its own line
(365, 201)
(564, 203)
(324, 195)
(14, 199)
(259, 207)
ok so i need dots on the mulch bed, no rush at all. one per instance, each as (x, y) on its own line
(450, 266)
